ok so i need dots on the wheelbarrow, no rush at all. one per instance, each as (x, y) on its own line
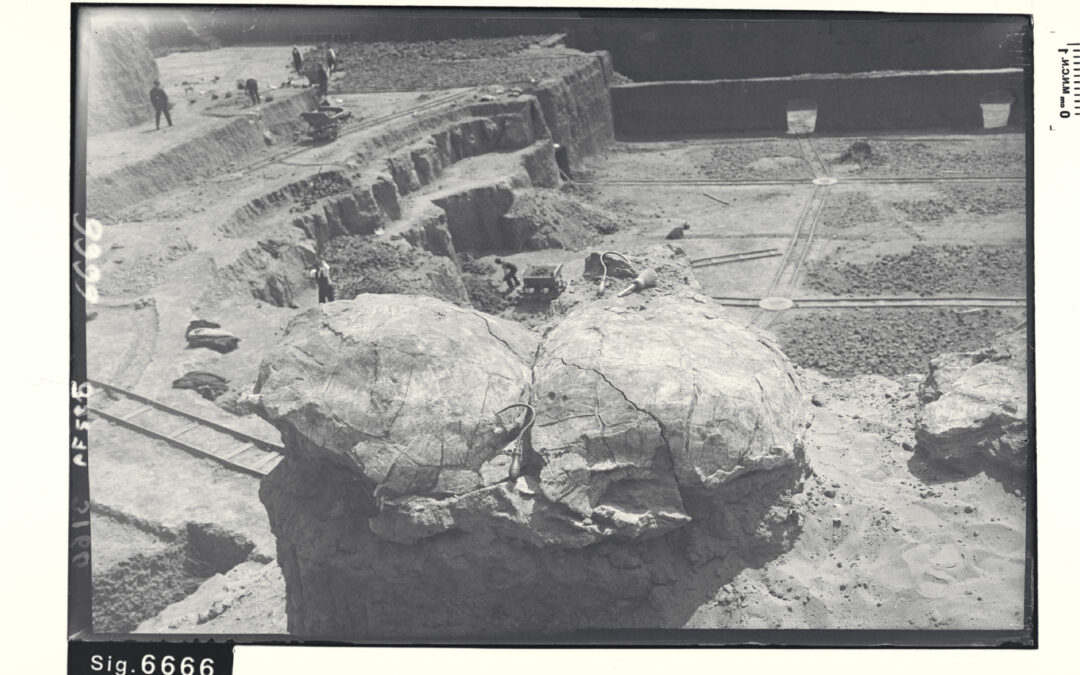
(543, 281)
(325, 122)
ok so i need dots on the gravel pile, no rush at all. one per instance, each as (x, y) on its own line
(918, 158)
(360, 264)
(844, 343)
(925, 210)
(445, 64)
(764, 160)
(475, 266)
(557, 219)
(849, 209)
(925, 270)
(988, 200)
(453, 49)
(320, 186)
(484, 296)
(979, 200)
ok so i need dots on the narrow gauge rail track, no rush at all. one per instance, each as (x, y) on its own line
(883, 302)
(348, 130)
(735, 257)
(203, 438)
(799, 246)
(818, 167)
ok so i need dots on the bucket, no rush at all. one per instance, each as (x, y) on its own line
(801, 116)
(996, 107)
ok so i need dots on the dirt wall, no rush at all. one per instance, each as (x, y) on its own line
(120, 72)
(198, 157)
(578, 110)
(909, 101)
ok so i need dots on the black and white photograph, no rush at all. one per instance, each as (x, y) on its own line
(552, 326)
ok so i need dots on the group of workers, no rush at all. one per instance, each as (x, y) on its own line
(321, 77)
(322, 73)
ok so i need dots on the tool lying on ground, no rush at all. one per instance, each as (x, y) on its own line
(210, 335)
(518, 452)
(715, 199)
(646, 279)
(603, 278)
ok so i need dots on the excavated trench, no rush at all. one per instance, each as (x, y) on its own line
(450, 191)
(139, 587)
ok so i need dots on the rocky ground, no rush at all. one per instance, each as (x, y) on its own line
(447, 64)
(847, 342)
(926, 270)
(1002, 156)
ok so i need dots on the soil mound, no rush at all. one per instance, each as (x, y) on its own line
(360, 264)
(544, 218)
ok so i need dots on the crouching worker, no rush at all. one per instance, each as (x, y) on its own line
(321, 275)
(509, 273)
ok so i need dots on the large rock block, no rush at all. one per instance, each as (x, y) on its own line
(975, 406)
(657, 427)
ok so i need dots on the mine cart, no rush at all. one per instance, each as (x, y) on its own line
(543, 280)
(325, 122)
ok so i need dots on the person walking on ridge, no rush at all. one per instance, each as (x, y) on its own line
(160, 100)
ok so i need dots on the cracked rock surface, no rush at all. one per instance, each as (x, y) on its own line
(665, 434)
(975, 407)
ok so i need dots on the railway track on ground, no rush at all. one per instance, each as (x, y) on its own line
(798, 248)
(818, 167)
(735, 257)
(198, 436)
(884, 302)
(348, 130)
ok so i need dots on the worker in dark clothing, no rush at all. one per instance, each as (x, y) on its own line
(160, 101)
(509, 273)
(252, 88)
(321, 274)
(297, 61)
(677, 233)
(322, 79)
(331, 60)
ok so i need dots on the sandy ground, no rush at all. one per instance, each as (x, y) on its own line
(887, 542)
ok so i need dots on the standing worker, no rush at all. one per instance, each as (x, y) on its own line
(321, 274)
(297, 62)
(331, 60)
(252, 88)
(509, 273)
(160, 101)
(322, 79)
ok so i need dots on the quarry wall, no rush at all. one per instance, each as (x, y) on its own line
(120, 72)
(577, 108)
(141, 180)
(845, 104)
